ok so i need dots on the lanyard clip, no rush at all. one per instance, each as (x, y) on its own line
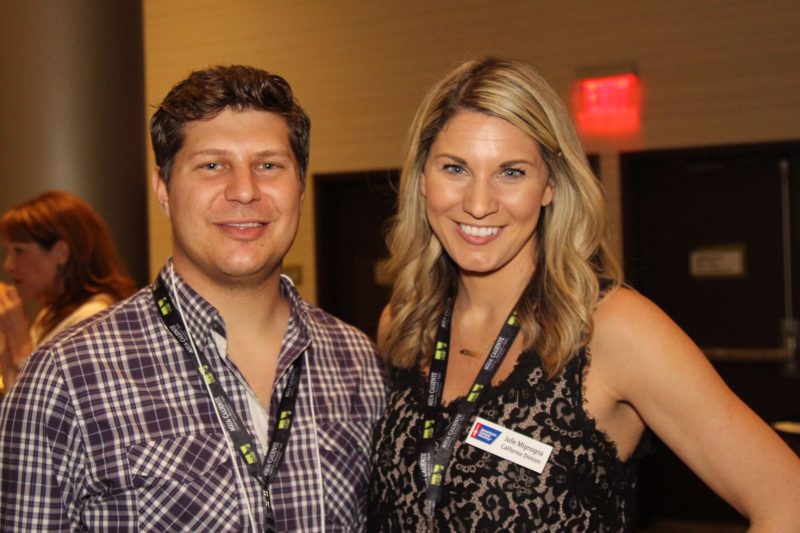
(269, 516)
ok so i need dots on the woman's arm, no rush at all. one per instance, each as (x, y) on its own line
(653, 366)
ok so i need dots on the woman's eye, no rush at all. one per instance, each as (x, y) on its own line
(512, 173)
(454, 169)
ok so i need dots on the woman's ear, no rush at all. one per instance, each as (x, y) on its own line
(549, 192)
(60, 251)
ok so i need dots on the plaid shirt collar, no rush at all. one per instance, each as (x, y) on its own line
(199, 316)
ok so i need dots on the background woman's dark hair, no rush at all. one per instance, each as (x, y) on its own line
(206, 93)
(93, 266)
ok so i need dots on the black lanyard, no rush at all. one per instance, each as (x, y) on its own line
(241, 438)
(434, 457)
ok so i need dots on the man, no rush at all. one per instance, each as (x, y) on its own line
(216, 400)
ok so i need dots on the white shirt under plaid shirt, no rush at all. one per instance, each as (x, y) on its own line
(109, 428)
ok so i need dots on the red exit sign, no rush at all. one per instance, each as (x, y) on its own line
(608, 105)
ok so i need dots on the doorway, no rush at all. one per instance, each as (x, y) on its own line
(352, 212)
(705, 238)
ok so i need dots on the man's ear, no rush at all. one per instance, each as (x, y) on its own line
(160, 190)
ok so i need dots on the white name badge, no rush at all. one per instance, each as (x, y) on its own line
(510, 445)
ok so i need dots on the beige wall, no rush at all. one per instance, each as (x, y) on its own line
(713, 72)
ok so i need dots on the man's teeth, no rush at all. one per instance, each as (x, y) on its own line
(479, 231)
(245, 225)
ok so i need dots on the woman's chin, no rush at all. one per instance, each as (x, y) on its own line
(477, 270)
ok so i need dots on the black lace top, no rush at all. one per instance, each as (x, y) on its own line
(584, 486)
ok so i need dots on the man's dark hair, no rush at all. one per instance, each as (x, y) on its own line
(206, 93)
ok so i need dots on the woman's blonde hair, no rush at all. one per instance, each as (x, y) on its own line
(572, 251)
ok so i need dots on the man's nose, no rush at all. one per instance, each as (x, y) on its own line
(242, 186)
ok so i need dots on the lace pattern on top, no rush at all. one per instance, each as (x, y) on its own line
(584, 486)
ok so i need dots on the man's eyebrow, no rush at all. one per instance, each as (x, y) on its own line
(208, 151)
(272, 153)
(222, 152)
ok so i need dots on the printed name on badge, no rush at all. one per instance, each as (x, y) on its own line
(509, 445)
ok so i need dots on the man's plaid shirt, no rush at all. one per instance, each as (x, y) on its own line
(110, 428)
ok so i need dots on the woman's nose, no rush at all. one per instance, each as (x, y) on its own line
(480, 200)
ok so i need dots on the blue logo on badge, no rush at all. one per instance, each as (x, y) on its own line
(485, 433)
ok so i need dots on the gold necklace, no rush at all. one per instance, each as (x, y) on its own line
(470, 353)
(475, 354)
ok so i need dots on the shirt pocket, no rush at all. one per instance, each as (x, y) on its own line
(184, 483)
(344, 447)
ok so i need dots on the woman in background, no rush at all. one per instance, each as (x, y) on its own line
(501, 227)
(59, 254)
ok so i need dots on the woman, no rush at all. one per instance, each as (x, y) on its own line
(501, 228)
(59, 254)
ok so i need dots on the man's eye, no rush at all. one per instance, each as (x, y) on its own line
(212, 166)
